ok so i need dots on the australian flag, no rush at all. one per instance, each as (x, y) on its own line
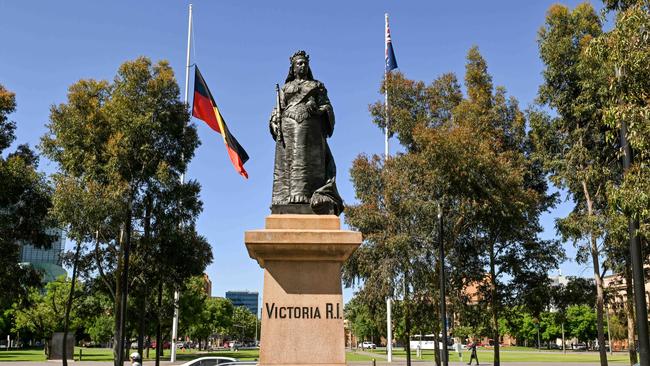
(391, 62)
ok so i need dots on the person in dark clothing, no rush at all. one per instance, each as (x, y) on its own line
(473, 356)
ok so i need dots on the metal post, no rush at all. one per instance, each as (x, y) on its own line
(609, 332)
(389, 300)
(182, 178)
(172, 358)
(443, 303)
(386, 93)
(389, 330)
(187, 55)
(256, 319)
(636, 256)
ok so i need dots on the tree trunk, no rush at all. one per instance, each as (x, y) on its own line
(599, 282)
(125, 283)
(158, 325)
(143, 317)
(118, 339)
(494, 305)
(407, 325)
(436, 348)
(68, 305)
(144, 294)
(563, 341)
(146, 350)
(629, 313)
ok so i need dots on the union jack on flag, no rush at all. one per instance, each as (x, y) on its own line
(391, 62)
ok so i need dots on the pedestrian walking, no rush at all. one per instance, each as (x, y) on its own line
(458, 347)
(473, 355)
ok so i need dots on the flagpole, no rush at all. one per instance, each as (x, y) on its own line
(182, 178)
(386, 91)
(389, 323)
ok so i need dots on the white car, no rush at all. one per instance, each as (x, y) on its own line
(209, 361)
(367, 345)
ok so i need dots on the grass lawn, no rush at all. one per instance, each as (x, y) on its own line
(353, 356)
(106, 354)
(22, 355)
(509, 354)
(517, 354)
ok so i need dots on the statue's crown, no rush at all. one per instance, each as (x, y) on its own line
(299, 54)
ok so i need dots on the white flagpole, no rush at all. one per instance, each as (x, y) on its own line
(386, 89)
(185, 99)
(389, 324)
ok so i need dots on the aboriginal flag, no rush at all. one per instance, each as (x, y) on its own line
(205, 109)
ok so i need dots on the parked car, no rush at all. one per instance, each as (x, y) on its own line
(579, 346)
(235, 345)
(239, 363)
(367, 345)
(210, 361)
(165, 345)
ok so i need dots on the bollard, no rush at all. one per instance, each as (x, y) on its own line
(374, 362)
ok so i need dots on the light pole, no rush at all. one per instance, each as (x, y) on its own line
(636, 256)
(443, 304)
(389, 330)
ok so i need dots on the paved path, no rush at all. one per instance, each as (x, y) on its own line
(356, 363)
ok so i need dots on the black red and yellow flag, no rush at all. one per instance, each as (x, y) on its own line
(205, 109)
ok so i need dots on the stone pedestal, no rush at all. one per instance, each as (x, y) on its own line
(302, 303)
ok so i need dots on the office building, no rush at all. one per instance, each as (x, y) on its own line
(248, 299)
(49, 261)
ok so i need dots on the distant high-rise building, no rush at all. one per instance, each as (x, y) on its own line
(247, 299)
(49, 261)
(559, 280)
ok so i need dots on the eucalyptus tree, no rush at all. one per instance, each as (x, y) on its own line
(623, 55)
(513, 195)
(25, 200)
(470, 157)
(573, 145)
(121, 147)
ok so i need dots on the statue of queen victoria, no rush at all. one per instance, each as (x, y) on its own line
(304, 176)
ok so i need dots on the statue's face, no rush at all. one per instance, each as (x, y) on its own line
(300, 67)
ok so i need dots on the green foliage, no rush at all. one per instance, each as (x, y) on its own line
(574, 146)
(25, 198)
(361, 320)
(43, 315)
(617, 327)
(243, 323)
(122, 147)
(581, 320)
(624, 55)
(100, 329)
(470, 157)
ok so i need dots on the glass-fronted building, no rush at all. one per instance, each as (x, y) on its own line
(49, 261)
(248, 299)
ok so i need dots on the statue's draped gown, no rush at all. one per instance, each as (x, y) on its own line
(304, 166)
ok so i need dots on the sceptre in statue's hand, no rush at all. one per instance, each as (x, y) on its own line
(277, 118)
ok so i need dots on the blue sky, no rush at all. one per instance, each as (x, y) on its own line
(242, 48)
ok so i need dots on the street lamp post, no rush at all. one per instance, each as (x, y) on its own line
(636, 255)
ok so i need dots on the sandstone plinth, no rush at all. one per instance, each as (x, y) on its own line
(302, 303)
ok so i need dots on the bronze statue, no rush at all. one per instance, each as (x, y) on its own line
(304, 177)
